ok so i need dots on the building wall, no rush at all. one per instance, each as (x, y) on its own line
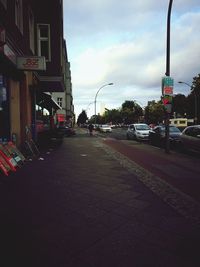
(20, 84)
(26, 107)
(15, 110)
(45, 14)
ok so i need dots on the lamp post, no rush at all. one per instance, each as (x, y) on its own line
(95, 100)
(167, 73)
(195, 100)
(89, 105)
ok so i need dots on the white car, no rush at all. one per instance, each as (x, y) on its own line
(138, 131)
(105, 128)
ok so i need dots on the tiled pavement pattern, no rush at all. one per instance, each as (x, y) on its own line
(80, 208)
(183, 203)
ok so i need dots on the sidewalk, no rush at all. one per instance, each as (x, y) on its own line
(174, 177)
(80, 208)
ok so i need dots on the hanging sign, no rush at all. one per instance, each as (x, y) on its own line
(167, 102)
(31, 63)
(167, 85)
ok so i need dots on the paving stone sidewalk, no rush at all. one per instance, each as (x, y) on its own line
(80, 208)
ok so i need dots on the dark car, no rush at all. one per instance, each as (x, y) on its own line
(66, 130)
(190, 138)
(157, 136)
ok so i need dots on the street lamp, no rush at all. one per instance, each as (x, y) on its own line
(95, 100)
(167, 73)
(195, 100)
(89, 105)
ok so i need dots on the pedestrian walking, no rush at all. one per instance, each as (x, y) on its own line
(91, 128)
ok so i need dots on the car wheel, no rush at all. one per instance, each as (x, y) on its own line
(162, 143)
(134, 137)
(150, 141)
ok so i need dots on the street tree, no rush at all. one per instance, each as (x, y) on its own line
(196, 84)
(154, 112)
(112, 116)
(196, 94)
(179, 105)
(131, 111)
(82, 118)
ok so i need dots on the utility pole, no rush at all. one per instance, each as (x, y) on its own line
(167, 73)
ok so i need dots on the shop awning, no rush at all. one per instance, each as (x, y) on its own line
(45, 100)
(51, 83)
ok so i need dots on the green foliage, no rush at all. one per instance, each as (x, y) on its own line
(154, 112)
(82, 118)
(128, 105)
(131, 112)
(196, 94)
(179, 105)
(113, 115)
(196, 85)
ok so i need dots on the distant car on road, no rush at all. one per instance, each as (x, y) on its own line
(138, 131)
(105, 128)
(190, 138)
(157, 135)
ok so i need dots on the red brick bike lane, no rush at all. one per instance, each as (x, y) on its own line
(179, 170)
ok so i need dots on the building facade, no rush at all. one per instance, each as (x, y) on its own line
(32, 65)
(65, 99)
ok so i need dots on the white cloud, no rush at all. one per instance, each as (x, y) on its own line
(125, 43)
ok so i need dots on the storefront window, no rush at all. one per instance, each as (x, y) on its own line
(4, 110)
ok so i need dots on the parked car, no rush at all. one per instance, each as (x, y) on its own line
(190, 138)
(66, 130)
(105, 128)
(157, 135)
(138, 131)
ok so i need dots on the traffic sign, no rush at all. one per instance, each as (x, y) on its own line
(167, 85)
(168, 90)
(168, 81)
(167, 99)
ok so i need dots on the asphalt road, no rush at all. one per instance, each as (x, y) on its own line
(120, 134)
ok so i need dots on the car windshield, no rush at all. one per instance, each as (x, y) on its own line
(172, 129)
(142, 127)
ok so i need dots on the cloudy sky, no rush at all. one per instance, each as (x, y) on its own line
(124, 42)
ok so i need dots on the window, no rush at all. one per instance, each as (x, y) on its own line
(196, 132)
(19, 14)
(188, 131)
(4, 3)
(31, 30)
(59, 101)
(43, 31)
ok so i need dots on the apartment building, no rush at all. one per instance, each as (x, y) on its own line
(32, 65)
(65, 99)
